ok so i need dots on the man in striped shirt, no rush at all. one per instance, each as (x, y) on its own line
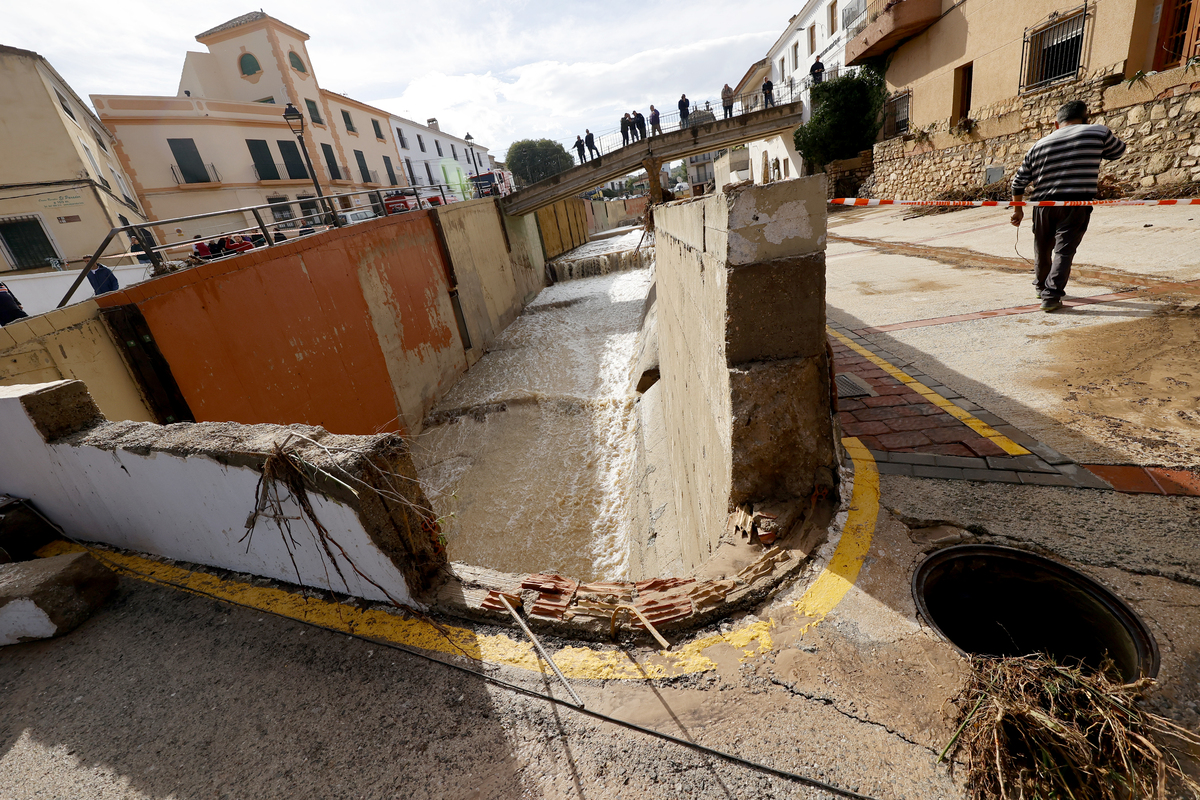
(1064, 165)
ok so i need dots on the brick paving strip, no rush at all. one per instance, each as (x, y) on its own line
(916, 427)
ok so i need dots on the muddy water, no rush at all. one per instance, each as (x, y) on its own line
(529, 464)
(1134, 386)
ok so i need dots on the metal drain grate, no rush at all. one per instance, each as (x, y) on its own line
(852, 386)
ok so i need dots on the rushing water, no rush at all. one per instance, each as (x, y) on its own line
(544, 485)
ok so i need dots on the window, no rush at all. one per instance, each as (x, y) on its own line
(438, 145)
(292, 160)
(267, 100)
(812, 39)
(349, 122)
(412, 176)
(282, 212)
(420, 143)
(1178, 33)
(361, 160)
(378, 130)
(453, 151)
(833, 18)
(96, 173)
(121, 185)
(248, 64)
(795, 56)
(1052, 53)
(895, 115)
(308, 208)
(429, 172)
(296, 62)
(99, 140)
(26, 242)
(264, 162)
(62, 101)
(313, 113)
(400, 138)
(781, 69)
(188, 167)
(962, 91)
(331, 162)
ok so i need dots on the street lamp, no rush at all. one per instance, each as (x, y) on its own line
(475, 161)
(295, 121)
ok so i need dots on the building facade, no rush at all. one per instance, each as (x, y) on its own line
(437, 160)
(222, 143)
(62, 186)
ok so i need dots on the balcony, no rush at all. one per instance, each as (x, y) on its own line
(887, 23)
(340, 172)
(195, 173)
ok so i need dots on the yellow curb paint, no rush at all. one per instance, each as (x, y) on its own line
(979, 426)
(579, 662)
(836, 579)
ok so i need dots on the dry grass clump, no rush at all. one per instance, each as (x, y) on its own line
(1167, 191)
(1032, 728)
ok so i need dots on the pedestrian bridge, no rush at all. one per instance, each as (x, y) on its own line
(651, 153)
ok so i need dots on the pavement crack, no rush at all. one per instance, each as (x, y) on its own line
(829, 701)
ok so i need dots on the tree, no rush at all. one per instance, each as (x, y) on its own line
(846, 117)
(533, 160)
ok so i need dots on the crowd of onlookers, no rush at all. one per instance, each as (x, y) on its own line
(232, 245)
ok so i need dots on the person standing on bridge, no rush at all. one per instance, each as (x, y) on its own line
(684, 106)
(817, 71)
(579, 147)
(727, 100)
(625, 122)
(590, 141)
(655, 127)
(1062, 165)
(768, 90)
(639, 122)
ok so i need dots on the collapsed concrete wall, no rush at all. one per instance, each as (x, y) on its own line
(188, 492)
(563, 226)
(740, 306)
(72, 342)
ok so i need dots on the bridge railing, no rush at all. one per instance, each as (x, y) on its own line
(701, 112)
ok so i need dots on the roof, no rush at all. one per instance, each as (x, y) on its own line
(748, 77)
(244, 19)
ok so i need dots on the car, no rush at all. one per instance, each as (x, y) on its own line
(359, 215)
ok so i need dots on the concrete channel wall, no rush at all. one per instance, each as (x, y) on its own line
(186, 492)
(740, 285)
(604, 215)
(563, 226)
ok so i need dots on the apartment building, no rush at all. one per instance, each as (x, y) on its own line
(62, 185)
(438, 160)
(221, 142)
(700, 173)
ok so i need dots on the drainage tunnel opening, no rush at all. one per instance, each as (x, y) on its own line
(997, 601)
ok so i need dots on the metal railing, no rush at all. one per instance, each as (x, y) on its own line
(281, 172)
(210, 175)
(851, 13)
(874, 10)
(701, 112)
(1053, 52)
(339, 172)
(896, 115)
(369, 175)
(329, 214)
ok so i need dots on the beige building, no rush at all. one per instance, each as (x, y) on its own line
(222, 142)
(62, 188)
(952, 60)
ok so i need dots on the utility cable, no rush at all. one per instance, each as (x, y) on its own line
(512, 687)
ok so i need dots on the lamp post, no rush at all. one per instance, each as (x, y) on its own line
(295, 121)
(471, 151)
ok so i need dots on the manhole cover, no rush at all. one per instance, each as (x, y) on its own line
(999, 601)
(852, 386)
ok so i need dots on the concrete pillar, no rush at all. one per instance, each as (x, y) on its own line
(653, 168)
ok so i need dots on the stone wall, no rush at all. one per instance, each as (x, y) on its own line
(844, 178)
(740, 286)
(1159, 119)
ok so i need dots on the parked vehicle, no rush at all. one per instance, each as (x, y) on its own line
(360, 215)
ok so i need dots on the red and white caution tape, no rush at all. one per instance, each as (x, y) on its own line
(863, 201)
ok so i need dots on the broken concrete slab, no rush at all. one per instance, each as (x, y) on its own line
(48, 597)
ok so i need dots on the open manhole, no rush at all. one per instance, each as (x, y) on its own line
(998, 601)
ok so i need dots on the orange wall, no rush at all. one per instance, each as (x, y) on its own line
(350, 329)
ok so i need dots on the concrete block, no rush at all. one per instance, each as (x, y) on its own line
(895, 469)
(946, 473)
(60, 408)
(39, 326)
(925, 459)
(991, 475)
(1082, 477)
(777, 220)
(50, 596)
(776, 309)
(19, 331)
(7, 342)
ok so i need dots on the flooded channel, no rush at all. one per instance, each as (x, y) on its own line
(529, 459)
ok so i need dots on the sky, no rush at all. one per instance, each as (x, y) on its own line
(501, 71)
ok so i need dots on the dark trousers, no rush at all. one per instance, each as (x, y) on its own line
(592, 149)
(728, 110)
(580, 151)
(683, 115)
(625, 137)
(768, 99)
(1057, 232)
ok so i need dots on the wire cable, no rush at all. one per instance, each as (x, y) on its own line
(512, 687)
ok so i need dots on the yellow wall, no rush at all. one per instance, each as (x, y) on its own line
(72, 343)
(991, 35)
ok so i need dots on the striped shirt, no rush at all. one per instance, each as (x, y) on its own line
(1065, 165)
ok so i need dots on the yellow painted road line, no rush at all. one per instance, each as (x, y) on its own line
(580, 662)
(979, 426)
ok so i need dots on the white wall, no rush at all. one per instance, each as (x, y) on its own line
(188, 509)
(40, 292)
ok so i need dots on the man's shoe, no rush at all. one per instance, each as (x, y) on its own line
(1053, 304)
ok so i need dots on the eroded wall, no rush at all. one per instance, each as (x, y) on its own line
(740, 285)
(563, 226)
